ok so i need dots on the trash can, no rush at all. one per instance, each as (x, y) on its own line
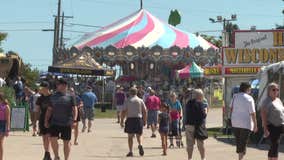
(103, 107)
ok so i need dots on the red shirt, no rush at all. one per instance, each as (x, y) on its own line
(153, 103)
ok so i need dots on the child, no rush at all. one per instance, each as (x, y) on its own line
(4, 122)
(164, 120)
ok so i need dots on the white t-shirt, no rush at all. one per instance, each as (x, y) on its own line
(243, 106)
(2, 82)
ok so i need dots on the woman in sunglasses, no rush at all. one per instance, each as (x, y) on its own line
(272, 114)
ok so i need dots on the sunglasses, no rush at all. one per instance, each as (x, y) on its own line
(275, 89)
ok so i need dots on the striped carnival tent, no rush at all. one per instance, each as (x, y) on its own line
(190, 71)
(141, 29)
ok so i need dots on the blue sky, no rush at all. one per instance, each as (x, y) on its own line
(24, 20)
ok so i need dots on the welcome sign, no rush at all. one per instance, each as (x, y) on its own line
(253, 49)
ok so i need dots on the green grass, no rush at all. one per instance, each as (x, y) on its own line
(216, 131)
(108, 114)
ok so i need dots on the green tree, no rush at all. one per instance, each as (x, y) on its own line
(230, 28)
(2, 37)
(174, 18)
(30, 75)
(216, 41)
(280, 26)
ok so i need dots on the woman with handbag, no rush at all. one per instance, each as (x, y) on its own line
(243, 118)
(195, 128)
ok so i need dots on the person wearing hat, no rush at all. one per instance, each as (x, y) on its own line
(41, 107)
(89, 99)
(60, 117)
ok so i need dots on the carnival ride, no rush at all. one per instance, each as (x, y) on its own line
(144, 47)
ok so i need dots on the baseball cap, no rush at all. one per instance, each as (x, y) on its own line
(61, 81)
(44, 84)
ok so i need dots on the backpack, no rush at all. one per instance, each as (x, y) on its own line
(195, 112)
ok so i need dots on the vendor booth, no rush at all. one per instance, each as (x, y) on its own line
(251, 51)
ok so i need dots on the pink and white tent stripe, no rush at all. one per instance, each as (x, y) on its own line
(141, 29)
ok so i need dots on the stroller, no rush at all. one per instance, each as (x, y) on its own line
(175, 131)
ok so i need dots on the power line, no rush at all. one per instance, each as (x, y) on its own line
(84, 25)
(25, 22)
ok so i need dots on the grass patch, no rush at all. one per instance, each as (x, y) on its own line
(109, 113)
(213, 132)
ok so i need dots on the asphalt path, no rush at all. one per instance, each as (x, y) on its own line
(107, 141)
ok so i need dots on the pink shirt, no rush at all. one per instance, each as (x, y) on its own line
(153, 103)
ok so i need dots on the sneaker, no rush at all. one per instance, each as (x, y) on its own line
(47, 156)
(171, 146)
(141, 151)
(153, 136)
(89, 130)
(129, 154)
(56, 158)
(84, 128)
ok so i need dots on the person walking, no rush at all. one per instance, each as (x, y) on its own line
(4, 122)
(153, 104)
(79, 105)
(41, 107)
(33, 113)
(136, 113)
(61, 113)
(119, 99)
(243, 118)
(89, 100)
(175, 114)
(195, 124)
(164, 122)
(272, 115)
(19, 90)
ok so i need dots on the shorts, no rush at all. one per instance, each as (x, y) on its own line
(119, 108)
(164, 130)
(2, 126)
(63, 132)
(42, 130)
(78, 115)
(152, 117)
(88, 113)
(242, 137)
(134, 126)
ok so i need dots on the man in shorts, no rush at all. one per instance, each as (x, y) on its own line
(60, 116)
(135, 111)
(41, 107)
(153, 104)
(89, 100)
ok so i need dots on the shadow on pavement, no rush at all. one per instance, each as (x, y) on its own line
(228, 139)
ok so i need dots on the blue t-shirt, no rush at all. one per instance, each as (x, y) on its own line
(175, 105)
(89, 99)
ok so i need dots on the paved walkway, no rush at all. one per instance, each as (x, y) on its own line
(109, 142)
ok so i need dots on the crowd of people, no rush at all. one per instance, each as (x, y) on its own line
(58, 112)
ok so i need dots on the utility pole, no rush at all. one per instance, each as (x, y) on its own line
(62, 29)
(220, 19)
(58, 24)
(58, 35)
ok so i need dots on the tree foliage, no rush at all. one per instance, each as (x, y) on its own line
(174, 18)
(30, 75)
(3, 36)
(215, 41)
(230, 28)
(280, 26)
